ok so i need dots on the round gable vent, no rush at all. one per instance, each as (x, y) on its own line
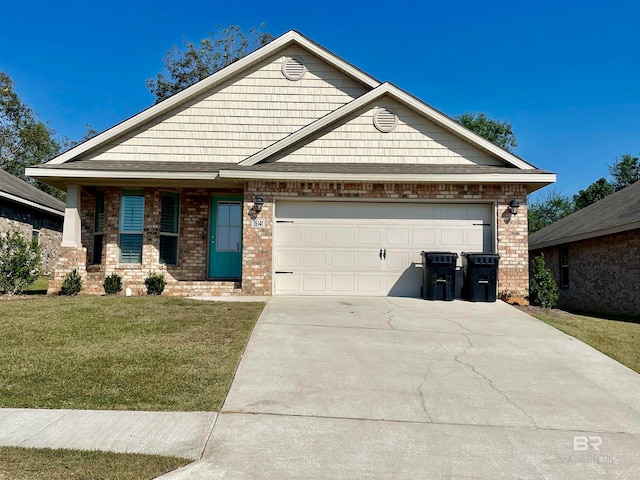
(385, 120)
(293, 68)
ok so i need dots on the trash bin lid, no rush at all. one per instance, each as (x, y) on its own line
(481, 258)
(439, 257)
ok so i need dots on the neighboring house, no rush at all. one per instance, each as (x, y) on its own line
(594, 255)
(289, 172)
(32, 212)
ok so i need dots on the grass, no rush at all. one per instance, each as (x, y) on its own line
(39, 287)
(618, 338)
(45, 464)
(136, 353)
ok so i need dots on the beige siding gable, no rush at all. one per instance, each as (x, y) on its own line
(241, 116)
(414, 139)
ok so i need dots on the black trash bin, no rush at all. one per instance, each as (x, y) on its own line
(480, 276)
(439, 275)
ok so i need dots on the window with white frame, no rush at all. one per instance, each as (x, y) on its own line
(169, 227)
(131, 226)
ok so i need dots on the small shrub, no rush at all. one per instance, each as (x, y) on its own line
(19, 262)
(155, 284)
(72, 284)
(112, 284)
(543, 290)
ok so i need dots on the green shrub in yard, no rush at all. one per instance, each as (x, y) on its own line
(112, 284)
(19, 262)
(72, 284)
(155, 284)
(543, 290)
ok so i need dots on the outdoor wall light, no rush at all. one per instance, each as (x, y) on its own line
(514, 205)
(258, 202)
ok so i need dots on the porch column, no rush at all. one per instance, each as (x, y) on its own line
(71, 236)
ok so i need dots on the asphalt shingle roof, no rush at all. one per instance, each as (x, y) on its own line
(615, 213)
(19, 188)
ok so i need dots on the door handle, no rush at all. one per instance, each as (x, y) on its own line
(384, 254)
(380, 254)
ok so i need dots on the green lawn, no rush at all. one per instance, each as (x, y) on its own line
(46, 464)
(617, 338)
(137, 353)
(39, 287)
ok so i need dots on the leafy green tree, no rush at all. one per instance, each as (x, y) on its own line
(625, 171)
(24, 140)
(496, 132)
(594, 192)
(548, 209)
(19, 262)
(543, 289)
(194, 63)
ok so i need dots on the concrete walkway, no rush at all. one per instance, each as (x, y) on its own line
(397, 388)
(158, 433)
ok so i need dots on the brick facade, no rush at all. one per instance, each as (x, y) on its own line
(14, 216)
(603, 274)
(189, 276)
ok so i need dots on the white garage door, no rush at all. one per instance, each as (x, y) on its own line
(355, 248)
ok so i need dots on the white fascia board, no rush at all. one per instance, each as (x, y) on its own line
(108, 174)
(217, 78)
(417, 105)
(586, 236)
(545, 178)
(315, 126)
(31, 204)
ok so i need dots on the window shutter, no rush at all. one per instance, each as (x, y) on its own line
(132, 218)
(169, 213)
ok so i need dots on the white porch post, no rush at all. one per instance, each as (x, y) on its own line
(71, 236)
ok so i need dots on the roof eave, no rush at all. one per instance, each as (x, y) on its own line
(32, 204)
(585, 236)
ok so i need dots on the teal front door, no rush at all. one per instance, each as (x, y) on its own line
(225, 238)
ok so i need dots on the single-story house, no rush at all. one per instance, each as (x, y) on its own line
(292, 172)
(594, 255)
(33, 213)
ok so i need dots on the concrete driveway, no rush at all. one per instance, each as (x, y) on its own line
(404, 388)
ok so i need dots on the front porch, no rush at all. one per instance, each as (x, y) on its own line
(199, 252)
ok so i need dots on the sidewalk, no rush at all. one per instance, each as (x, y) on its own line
(180, 434)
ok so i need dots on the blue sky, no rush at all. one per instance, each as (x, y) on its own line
(566, 74)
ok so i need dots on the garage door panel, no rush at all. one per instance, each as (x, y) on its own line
(343, 236)
(314, 259)
(288, 234)
(287, 259)
(343, 284)
(397, 236)
(343, 260)
(334, 248)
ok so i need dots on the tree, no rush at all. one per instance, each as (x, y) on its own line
(543, 289)
(496, 132)
(625, 171)
(24, 140)
(594, 192)
(195, 63)
(19, 262)
(549, 209)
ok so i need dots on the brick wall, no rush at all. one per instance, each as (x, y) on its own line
(189, 277)
(603, 274)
